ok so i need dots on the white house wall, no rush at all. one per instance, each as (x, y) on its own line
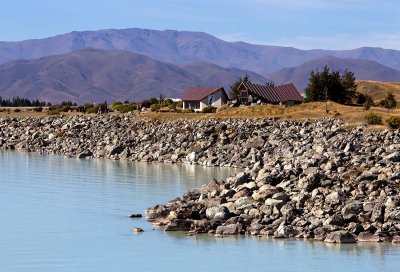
(218, 99)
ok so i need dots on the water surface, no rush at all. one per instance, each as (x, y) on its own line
(63, 214)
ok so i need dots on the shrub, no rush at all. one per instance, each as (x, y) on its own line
(179, 104)
(393, 122)
(209, 109)
(155, 107)
(190, 110)
(127, 108)
(17, 110)
(172, 106)
(91, 109)
(373, 119)
(53, 112)
(116, 105)
(38, 109)
(61, 108)
(389, 102)
(153, 100)
(167, 102)
(145, 103)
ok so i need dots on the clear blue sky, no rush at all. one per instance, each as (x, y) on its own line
(328, 24)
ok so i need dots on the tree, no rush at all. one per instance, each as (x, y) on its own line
(327, 85)
(153, 100)
(368, 102)
(161, 98)
(348, 81)
(389, 102)
(235, 92)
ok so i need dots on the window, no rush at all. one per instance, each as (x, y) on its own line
(193, 104)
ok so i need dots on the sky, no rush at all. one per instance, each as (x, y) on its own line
(325, 24)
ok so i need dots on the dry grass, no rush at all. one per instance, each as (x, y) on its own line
(311, 111)
(378, 90)
(26, 112)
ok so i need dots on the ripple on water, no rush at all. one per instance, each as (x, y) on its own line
(66, 214)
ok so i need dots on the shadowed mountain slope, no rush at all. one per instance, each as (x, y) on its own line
(94, 75)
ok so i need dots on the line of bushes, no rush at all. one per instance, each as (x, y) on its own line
(392, 122)
(154, 104)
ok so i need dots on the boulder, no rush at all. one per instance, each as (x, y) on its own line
(340, 237)
(284, 231)
(351, 210)
(157, 212)
(218, 213)
(178, 225)
(368, 237)
(230, 229)
(280, 196)
(393, 157)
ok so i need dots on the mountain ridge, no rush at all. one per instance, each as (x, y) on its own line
(95, 75)
(182, 47)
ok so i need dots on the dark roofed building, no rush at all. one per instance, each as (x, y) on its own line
(286, 94)
(198, 98)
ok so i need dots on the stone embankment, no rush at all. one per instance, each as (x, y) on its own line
(231, 143)
(308, 180)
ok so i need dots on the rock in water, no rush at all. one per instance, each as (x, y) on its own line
(135, 215)
(340, 237)
(137, 230)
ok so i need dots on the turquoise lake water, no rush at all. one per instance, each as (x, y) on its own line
(63, 214)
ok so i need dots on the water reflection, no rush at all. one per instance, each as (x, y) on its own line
(67, 214)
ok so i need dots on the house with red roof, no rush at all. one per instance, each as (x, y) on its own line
(198, 98)
(284, 94)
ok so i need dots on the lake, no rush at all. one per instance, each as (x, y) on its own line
(66, 214)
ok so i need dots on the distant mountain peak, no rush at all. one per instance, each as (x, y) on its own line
(181, 47)
(95, 75)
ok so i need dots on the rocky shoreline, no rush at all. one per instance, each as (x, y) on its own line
(313, 180)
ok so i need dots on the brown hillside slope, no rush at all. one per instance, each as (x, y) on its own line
(377, 89)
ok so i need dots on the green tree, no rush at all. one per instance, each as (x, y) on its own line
(235, 92)
(348, 81)
(389, 102)
(327, 85)
(153, 100)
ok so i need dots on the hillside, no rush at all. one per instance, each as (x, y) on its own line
(94, 75)
(378, 90)
(213, 75)
(363, 70)
(182, 47)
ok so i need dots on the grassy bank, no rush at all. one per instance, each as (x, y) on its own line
(313, 111)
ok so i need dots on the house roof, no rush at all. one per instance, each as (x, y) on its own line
(277, 94)
(198, 93)
(264, 91)
(288, 92)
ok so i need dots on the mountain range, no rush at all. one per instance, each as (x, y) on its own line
(96, 75)
(138, 63)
